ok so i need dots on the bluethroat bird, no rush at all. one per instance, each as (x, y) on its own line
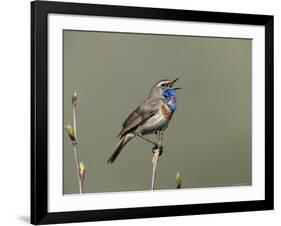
(152, 116)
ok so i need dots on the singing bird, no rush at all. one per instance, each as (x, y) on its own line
(152, 116)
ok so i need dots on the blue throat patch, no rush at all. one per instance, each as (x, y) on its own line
(170, 95)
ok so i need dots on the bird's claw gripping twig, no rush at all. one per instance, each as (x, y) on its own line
(158, 147)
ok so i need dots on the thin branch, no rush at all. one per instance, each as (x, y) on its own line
(155, 158)
(80, 184)
(74, 142)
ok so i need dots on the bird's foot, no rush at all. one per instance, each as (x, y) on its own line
(158, 147)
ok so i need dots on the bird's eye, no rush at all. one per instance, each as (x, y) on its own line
(163, 84)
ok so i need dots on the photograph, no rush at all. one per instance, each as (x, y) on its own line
(148, 111)
(140, 112)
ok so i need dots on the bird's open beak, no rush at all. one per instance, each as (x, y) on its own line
(172, 83)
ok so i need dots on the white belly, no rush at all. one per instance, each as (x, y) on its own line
(155, 123)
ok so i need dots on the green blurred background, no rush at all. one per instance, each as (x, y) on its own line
(209, 138)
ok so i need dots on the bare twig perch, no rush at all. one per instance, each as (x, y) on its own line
(156, 153)
(72, 133)
(76, 155)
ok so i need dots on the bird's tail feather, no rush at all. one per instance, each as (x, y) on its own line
(123, 141)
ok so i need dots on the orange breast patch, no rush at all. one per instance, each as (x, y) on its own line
(166, 111)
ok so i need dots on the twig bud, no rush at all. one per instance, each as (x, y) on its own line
(82, 170)
(70, 132)
(178, 180)
(74, 98)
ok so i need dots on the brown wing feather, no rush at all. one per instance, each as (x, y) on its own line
(141, 114)
(131, 122)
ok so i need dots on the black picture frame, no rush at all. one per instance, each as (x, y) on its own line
(39, 112)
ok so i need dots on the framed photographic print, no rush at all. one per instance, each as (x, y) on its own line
(144, 112)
